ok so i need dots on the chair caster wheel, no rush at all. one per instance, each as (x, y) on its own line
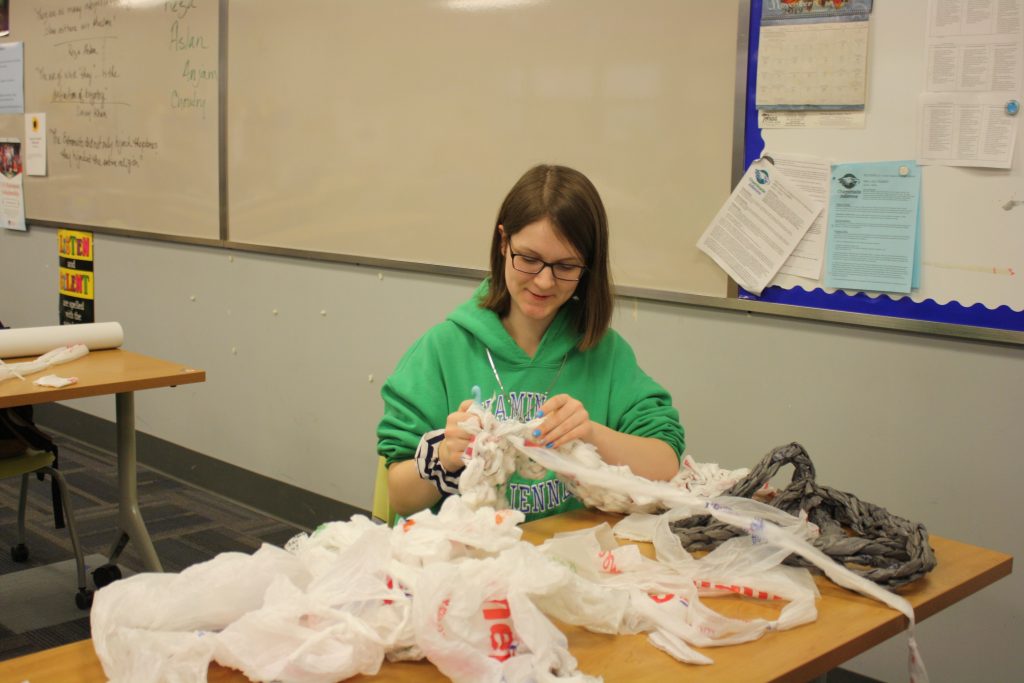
(19, 553)
(105, 575)
(83, 598)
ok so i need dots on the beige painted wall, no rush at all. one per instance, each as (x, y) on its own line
(928, 427)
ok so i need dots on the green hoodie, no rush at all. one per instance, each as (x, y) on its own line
(439, 371)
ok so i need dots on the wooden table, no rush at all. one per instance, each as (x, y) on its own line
(847, 625)
(118, 372)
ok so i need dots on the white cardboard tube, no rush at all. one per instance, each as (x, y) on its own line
(34, 341)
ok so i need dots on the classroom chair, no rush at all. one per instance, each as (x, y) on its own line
(381, 507)
(41, 463)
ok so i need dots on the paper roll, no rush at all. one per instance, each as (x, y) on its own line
(34, 341)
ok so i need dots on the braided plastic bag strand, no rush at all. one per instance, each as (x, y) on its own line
(888, 550)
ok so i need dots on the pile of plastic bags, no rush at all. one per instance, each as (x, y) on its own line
(461, 588)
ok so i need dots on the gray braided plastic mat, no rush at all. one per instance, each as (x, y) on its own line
(889, 550)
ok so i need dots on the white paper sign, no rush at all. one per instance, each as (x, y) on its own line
(811, 176)
(964, 129)
(12, 198)
(758, 227)
(12, 78)
(35, 144)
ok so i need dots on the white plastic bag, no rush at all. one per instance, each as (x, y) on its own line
(663, 596)
(332, 629)
(478, 621)
(158, 628)
(333, 605)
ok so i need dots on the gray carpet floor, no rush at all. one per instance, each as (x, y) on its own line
(187, 524)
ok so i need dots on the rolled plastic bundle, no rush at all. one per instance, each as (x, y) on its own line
(33, 341)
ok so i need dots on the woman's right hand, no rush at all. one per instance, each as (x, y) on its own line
(456, 439)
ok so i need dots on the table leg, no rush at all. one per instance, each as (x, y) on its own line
(129, 516)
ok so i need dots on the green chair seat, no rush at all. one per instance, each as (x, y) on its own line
(28, 462)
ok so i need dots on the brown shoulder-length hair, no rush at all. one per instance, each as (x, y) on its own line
(571, 202)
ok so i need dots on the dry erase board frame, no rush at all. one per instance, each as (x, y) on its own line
(131, 98)
(952, 318)
(397, 129)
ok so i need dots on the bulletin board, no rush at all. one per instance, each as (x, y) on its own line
(972, 231)
(130, 94)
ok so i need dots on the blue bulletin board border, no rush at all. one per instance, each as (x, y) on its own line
(977, 315)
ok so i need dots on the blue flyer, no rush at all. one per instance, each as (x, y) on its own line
(873, 226)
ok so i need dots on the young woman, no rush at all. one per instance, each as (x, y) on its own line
(535, 338)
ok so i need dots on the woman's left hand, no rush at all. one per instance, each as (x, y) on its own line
(565, 419)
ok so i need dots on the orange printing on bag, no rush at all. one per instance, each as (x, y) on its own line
(503, 643)
(390, 583)
(441, 611)
(741, 590)
(503, 638)
(608, 562)
(662, 598)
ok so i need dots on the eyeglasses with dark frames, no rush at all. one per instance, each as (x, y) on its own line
(533, 266)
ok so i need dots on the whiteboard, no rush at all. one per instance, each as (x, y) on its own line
(392, 129)
(130, 93)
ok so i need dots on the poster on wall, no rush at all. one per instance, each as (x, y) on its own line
(12, 196)
(35, 144)
(12, 78)
(77, 283)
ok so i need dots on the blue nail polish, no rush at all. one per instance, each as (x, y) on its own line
(536, 432)
(549, 444)
(540, 413)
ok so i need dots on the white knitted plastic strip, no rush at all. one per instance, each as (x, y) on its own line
(57, 356)
(494, 459)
